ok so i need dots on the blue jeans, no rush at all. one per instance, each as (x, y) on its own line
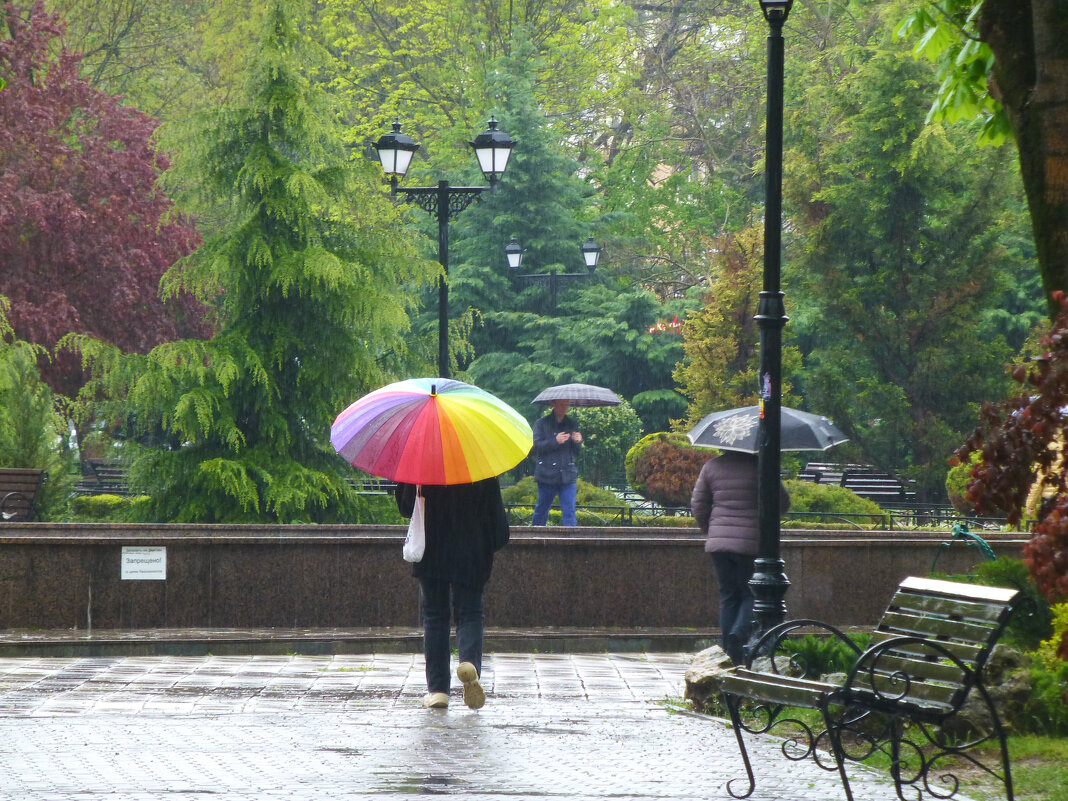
(466, 609)
(546, 493)
(736, 622)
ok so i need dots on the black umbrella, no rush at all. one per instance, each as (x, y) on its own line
(579, 395)
(736, 430)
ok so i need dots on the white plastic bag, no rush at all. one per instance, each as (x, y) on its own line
(415, 540)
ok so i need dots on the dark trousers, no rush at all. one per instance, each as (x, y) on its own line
(466, 609)
(733, 571)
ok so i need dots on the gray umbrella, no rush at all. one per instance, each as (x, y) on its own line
(579, 395)
(736, 430)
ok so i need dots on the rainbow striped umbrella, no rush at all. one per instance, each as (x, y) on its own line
(432, 431)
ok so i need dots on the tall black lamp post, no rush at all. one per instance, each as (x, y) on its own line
(591, 254)
(769, 582)
(395, 151)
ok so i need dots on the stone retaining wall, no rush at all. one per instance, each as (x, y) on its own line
(68, 576)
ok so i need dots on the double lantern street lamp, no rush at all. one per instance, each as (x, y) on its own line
(769, 582)
(591, 254)
(395, 150)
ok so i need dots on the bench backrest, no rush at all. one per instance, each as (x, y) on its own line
(964, 619)
(18, 492)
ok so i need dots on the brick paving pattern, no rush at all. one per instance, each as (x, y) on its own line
(569, 726)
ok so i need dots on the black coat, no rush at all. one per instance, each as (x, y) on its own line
(555, 462)
(465, 525)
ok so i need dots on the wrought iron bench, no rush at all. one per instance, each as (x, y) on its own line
(924, 659)
(19, 488)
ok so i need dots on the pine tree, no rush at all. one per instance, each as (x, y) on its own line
(307, 271)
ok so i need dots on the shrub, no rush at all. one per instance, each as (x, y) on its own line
(1046, 709)
(99, 508)
(663, 467)
(522, 515)
(1054, 651)
(522, 496)
(818, 656)
(806, 496)
(381, 509)
(957, 485)
(664, 521)
(525, 492)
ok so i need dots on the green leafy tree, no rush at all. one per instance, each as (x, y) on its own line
(722, 339)
(993, 59)
(897, 261)
(676, 161)
(432, 62)
(143, 50)
(608, 432)
(308, 273)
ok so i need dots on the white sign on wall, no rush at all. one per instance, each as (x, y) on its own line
(144, 563)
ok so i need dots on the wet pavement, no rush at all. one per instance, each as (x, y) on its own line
(568, 726)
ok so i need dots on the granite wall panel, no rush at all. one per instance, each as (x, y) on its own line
(68, 576)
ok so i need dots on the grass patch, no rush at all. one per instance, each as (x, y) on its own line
(1038, 769)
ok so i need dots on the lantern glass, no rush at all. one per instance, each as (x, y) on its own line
(395, 151)
(492, 148)
(591, 254)
(514, 252)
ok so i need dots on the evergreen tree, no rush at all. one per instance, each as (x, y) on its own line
(897, 262)
(307, 271)
(32, 433)
(540, 201)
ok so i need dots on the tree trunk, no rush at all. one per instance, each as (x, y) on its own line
(1029, 39)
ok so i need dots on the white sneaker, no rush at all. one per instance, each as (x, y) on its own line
(435, 700)
(474, 695)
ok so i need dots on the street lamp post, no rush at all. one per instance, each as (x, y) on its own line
(769, 582)
(395, 150)
(591, 254)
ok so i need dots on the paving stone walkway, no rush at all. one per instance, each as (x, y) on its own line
(567, 726)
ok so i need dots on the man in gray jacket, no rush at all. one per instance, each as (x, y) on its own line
(724, 503)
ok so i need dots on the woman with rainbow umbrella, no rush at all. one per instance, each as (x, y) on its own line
(446, 442)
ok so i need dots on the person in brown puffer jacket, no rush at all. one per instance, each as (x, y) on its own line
(724, 504)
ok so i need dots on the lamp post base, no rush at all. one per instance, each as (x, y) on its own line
(769, 585)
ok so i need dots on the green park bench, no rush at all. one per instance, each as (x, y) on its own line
(925, 658)
(19, 488)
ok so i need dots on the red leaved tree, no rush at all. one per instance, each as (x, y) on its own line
(1022, 442)
(85, 234)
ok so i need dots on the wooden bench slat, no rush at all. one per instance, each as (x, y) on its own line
(917, 691)
(954, 589)
(938, 628)
(945, 672)
(777, 689)
(981, 611)
(968, 653)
